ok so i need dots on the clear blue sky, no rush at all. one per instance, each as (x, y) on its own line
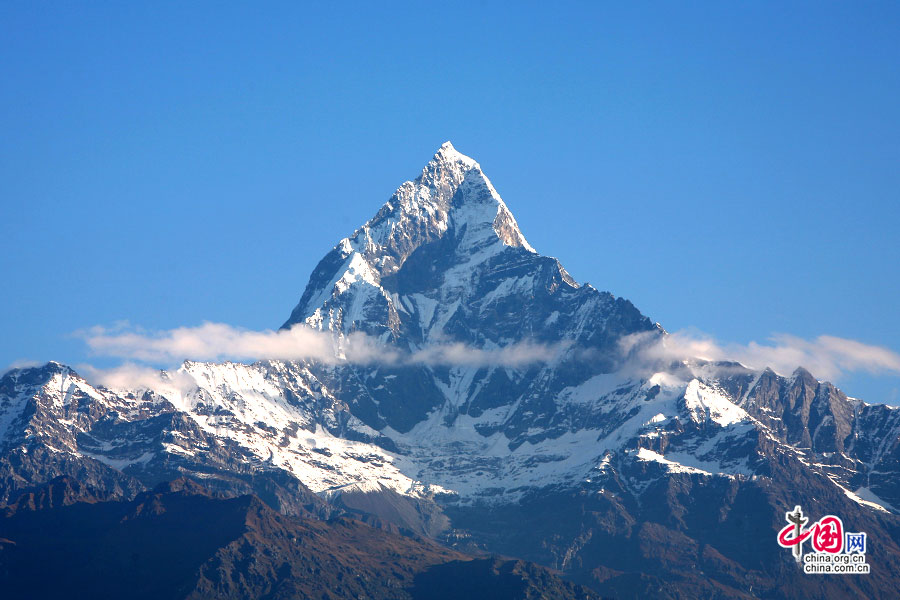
(731, 167)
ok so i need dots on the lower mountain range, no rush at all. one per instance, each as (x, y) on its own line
(476, 402)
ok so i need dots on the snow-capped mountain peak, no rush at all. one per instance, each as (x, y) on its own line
(468, 195)
(447, 153)
(452, 200)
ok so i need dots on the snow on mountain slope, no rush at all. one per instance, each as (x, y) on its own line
(281, 416)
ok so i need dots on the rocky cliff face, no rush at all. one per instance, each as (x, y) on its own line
(505, 407)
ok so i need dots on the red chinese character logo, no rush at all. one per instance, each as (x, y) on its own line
(828, 535)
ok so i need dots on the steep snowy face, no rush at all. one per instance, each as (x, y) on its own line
(452, 200)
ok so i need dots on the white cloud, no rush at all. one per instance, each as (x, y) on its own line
(130, 376)
(217, 342)
(826, 357)
(19, 364)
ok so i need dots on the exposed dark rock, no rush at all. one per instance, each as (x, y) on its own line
(180, 542)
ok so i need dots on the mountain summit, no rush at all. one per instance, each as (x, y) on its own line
(452, 201)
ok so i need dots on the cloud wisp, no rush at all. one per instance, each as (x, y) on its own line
(218, 341)
(130, 376)
(827, 357)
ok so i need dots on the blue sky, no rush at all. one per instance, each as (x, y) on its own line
(732, 168)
